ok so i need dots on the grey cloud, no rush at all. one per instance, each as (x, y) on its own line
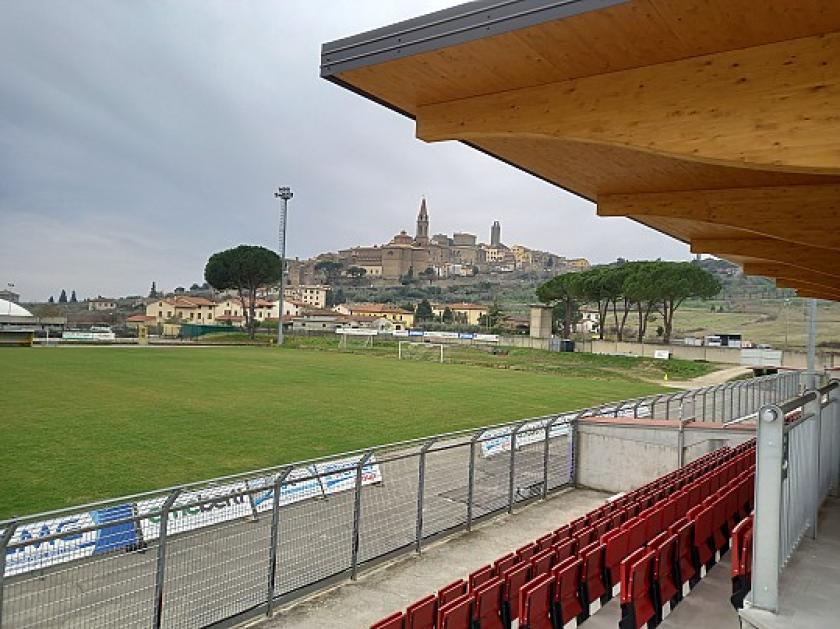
(138, 137)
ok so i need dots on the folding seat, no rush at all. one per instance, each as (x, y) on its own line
(545, 542)
(617, 518)
(592, 576)
(694, 498)
(576, 525)
(503, 563)
(653, 522)
(456, 614)
(632, 510)
(567, 601)
(514, 579)
(705, 487)
(741, 581)
(477, 577)
(669, 512)
(732, 505)
(720, 524)
(564, 549)
(487, 609)
(584, 537)
(715, 481)
(704, 539)
(451, 592)
(615, 550)
(541, 562)
(524, 553)
(637, 606)
(686, 571)
(636, 533)
(601, 527)
(561, 533)
(394, 621)
(665, 588)
(535, 603)
(422, 614)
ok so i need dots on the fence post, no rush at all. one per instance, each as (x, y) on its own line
(546, 454)
(357, 510)
(768, 498)
(681, 444)
(421, 490)
(471, 482)
(161, 556)
(4, 543)
(275, 532)
(814, 408)
(511, 479)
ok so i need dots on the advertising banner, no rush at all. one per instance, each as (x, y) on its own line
(488, 338)
(222, 507)
(299, 485)
(340, 475)
(72, 544)
(498, 440)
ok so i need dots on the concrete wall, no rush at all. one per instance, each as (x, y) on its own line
(618, 457)
(726, 355)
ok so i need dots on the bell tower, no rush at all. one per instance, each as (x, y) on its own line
(422, 235)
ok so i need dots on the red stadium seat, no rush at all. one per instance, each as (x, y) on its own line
(567, 602)
(564, 549)
(666, 589)
(584, 537)
(684, 530)
(741, 561)
(422, 614)
(394, 621)
(704, 537)
(451, 592)
(487, 611)
(456, 614)
(514, 579)
(653, 522)
(601, 526)
(615, 543)
(637, 605)
(592, 576)
(477, 577)
(635, 528)
(545, 542)
(535, 603)
(503, 563)
(541, 563)
(562, 533)
(524, 553)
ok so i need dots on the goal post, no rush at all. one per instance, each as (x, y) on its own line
(418, 350)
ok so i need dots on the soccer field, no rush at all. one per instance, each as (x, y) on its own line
(81, 424)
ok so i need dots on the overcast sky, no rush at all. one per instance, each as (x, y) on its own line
(136, 138)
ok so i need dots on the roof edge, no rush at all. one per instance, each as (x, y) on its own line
(456, 25)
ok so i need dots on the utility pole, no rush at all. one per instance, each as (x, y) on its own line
(284, 194)
(811, 378)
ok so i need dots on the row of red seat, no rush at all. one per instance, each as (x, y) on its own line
(645, 543)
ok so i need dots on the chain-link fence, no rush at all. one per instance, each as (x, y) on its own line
(236, 546)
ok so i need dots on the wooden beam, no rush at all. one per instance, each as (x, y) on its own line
(813, 287)
(807, 294)
(771, 269)
(800, 214)
(770, 250)
(771, 107)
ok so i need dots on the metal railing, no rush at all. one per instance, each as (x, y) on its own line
(237, 546)
(797, 466)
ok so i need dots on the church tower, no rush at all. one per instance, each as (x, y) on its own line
(495, 234)
(422, 236)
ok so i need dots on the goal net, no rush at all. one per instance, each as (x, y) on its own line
(417, 350)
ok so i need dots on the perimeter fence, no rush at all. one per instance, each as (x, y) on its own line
(225, 549)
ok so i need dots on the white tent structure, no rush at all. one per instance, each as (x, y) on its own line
(11, 309)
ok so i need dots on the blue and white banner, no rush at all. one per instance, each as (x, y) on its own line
(340, 475)
(299, 485)
(73, 544)
(223, 505)
(498, 440)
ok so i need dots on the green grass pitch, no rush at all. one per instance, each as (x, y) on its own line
(81, 424)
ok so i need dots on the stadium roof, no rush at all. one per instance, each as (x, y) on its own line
(11, 309)
(715, 122)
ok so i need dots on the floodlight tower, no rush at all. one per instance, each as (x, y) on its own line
(284, 194)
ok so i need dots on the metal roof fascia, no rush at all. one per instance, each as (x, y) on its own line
(456, 25)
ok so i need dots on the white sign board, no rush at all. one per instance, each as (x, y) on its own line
(498, 440)
(299, 485)
(662, 354)
(223, 506)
